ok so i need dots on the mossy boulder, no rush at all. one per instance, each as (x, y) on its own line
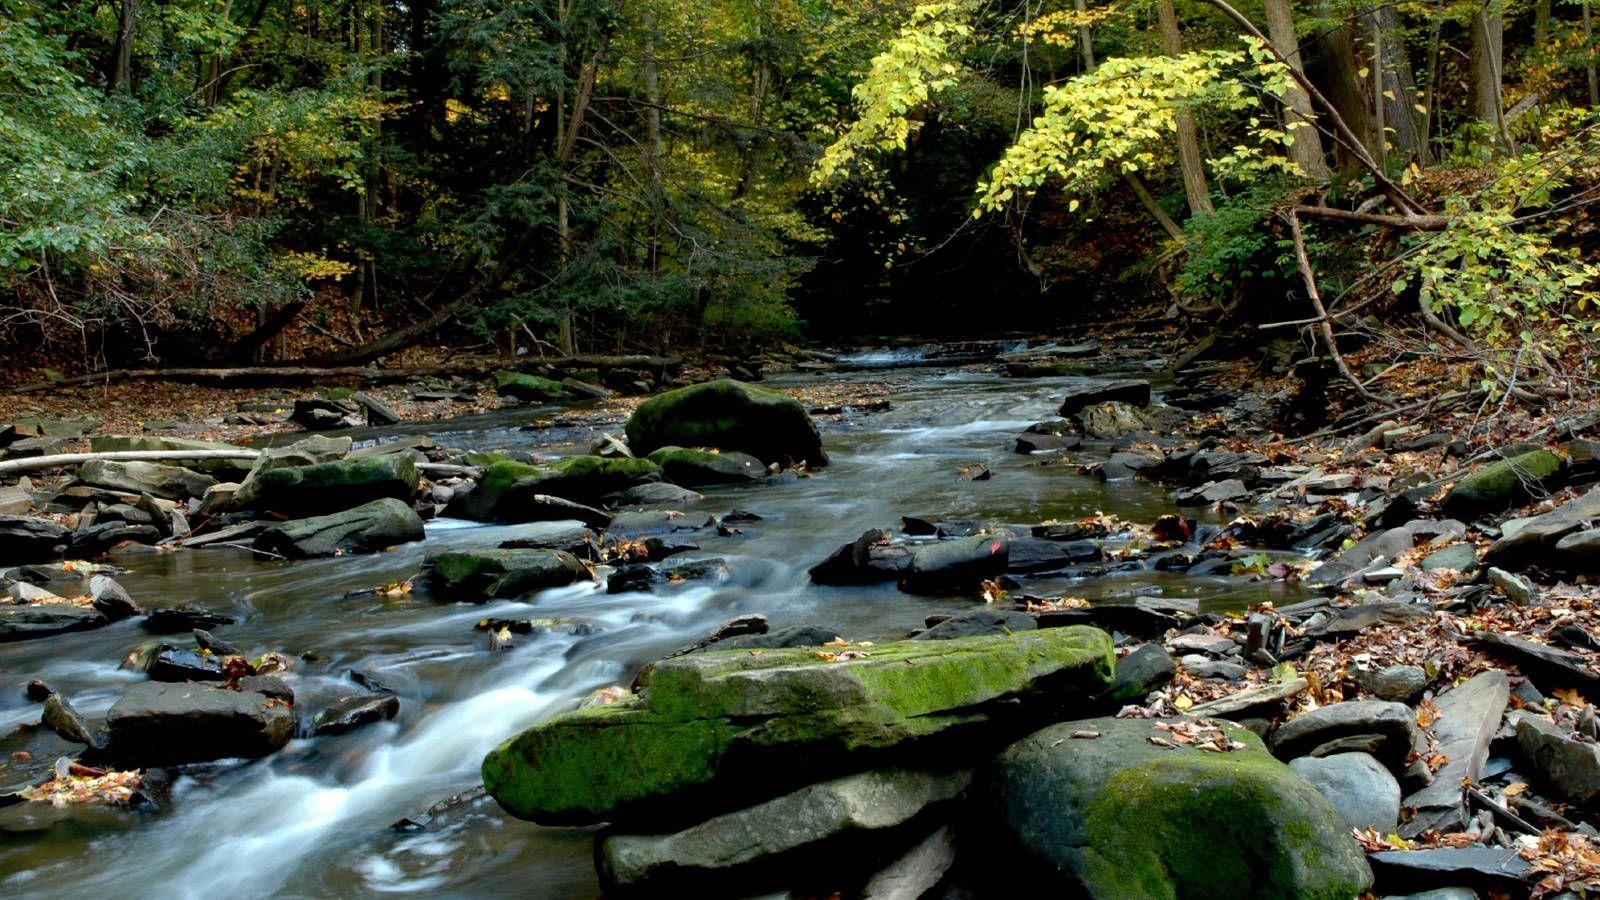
(728, 415)
(1119, 815)
(697, 468)
(529, 388)
(479, 576)
(507, 490)
(365, 529)
(329, 487)
(1502, 484)
(722, 729)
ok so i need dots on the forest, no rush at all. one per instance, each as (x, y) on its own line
(228, 181)
(803, 449)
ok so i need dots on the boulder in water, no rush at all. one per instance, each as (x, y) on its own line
(510, 491)
(728, 415)
(951, 567)
(481, 575)
(329, 487)
(715, 730)
(698, 468)
(365, 529)
(26, 540)
(159, 724)
(529, 388)
(39, 620)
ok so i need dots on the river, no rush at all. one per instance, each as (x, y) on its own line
(314, 819)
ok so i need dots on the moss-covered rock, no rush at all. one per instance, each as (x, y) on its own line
(1120, 816)
(719, 730)
(529, 388)
(507, 490)
(728, 415)
(1502, 484)
(478, 576)
(697, 468)
(330, 487)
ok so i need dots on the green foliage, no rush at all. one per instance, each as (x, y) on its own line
(1233, 246)
(1122, 117)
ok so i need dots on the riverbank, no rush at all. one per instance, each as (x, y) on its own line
(1306, 589)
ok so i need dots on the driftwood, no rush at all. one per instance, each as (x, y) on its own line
(57, 460)
(306, 374)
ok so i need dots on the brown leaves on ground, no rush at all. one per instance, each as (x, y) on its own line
(1563, 861)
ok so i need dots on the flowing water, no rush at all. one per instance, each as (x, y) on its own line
(313, 820)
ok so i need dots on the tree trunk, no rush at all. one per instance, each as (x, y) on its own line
(1484, 66)
(652, 148)
(122, 48)
(1305, 146)
(1189, 158)
(1588, 41)
(1336, 70)
(1399, 94)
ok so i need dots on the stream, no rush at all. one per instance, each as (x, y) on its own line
(314, 819)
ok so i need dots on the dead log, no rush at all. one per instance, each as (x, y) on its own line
(57, 460)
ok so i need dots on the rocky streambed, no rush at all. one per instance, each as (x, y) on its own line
(1053, 618)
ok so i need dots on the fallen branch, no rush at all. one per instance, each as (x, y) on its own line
(58, 460)
(1325, 326)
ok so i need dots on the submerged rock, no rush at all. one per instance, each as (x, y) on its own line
(365, 529)
(1120, 815)
(38, 620)
(481, 575)
(950, 567)
(839, 825)
(350, 713)
(717, 729)
(728, 415)
(158, 724)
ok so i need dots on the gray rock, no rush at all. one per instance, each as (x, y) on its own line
(38, 620)
(1399, 683)
(1468, 717)
(1115, 816)
(111, 598)
(1485, 868)
(657, 493)
(1516, 588)
(789, 636)
(156, 479)
(1538, 536)
(1579, 551)
(698, 468)
(1030, 442)
(1031, 555)
(1131, 392)
(1438, 894)
(976, 622)
(869, 559)
(350, 713)
(60, 717)
(913, 875)
(365, 529)
(1570, 767)
(1454, 558)
(483, 575)
(1146, 668)
(728, 415)
(1549, 667)
(156, 724)
(26, 540)
(1358, 786)
(1355, 619)
(854, 813)
(1215, 492)
(635, 524)
(1503, 483)
(1245, 703)
(1320, 730)
(949, 567)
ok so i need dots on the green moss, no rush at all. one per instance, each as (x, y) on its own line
(333, 486)
(802, 705)
(529, 388)
(1201, 825)
(480, 575)
(582, 479)
(727, 415)
(1502, 484)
